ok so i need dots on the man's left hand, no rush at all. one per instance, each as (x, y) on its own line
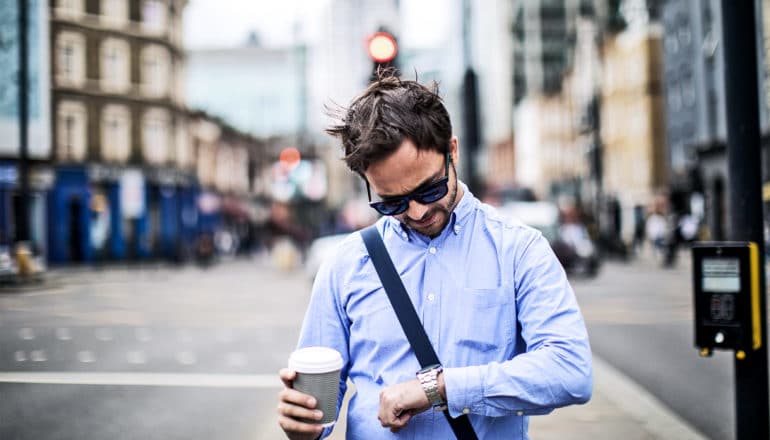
(400, 402)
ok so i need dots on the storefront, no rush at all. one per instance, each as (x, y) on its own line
(69, 219)
(172, 215)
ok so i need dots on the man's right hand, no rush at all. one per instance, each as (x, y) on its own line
(293, 405)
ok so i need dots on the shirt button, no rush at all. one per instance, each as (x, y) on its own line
(466, 411)
(519, 413)
(432, 250)
(431, 297)
(457, 229)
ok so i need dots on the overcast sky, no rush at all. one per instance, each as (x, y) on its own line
(226, 23)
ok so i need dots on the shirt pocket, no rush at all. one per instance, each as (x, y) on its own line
(487, 319)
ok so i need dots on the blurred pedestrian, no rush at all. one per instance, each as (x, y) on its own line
(491, 295)
(639, 226)
(656, 227)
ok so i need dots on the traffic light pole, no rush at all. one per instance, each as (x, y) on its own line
(22, 207)
(745, 181)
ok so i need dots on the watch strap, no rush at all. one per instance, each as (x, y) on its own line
(428, 378)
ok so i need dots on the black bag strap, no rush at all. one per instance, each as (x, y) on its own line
(408, 318)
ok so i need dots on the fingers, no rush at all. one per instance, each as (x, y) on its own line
(298, 412)
(287, 377)
(391, 414)
(290, 425)
(293, 405)
(294, 397)
(399, 422)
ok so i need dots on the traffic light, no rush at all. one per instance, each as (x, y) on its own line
(382, 49)
(289, 158)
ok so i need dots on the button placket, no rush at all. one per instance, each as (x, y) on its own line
(431, 299)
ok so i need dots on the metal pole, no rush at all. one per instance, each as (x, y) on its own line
(22, 213)
(745, 182)
(470, 102)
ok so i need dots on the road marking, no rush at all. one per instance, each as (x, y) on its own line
(186, 358)
(236, 359)
(136, 357)
(145, 379)
(63, 334)
(27, 334)
(143, 334)
(86, 357)
(103, 334)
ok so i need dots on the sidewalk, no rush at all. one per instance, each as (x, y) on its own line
(619, 409)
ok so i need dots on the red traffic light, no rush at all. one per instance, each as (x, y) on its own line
(382, 47)
(289, 158)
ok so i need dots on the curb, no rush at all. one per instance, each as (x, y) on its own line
(640, 405)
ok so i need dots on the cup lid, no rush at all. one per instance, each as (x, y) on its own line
(315, 360)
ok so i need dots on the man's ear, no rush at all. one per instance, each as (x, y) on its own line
(454, 150)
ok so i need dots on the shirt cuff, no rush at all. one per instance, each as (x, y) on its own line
(464, 390)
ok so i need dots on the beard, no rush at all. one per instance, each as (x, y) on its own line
(443, 211)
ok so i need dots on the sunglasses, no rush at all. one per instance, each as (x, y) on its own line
(428, 193)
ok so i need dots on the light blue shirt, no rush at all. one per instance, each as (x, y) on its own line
(496, 305)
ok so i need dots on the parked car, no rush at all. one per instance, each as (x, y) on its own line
(570, 242)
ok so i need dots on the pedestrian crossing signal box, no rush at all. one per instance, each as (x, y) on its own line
(726, 297)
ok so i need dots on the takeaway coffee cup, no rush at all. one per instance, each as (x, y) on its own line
(318, 374)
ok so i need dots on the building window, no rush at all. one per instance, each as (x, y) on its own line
(115, 133)
(114, 63)
(70, 59)
(183, 156)
(69, 8)
(155, 136)
(114, 12)
(154, 15)
(71, 133)
(156, 71)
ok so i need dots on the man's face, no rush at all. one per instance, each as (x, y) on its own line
(408, 169)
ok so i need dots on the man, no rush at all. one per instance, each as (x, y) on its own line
(490, 293)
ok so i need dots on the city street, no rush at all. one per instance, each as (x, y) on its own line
(193, 353)
(640, 320)
(166, 352)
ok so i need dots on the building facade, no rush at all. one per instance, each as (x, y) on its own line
(123, 161)
(544, 33)
(633, 122)
(556, 80)
(694, 78)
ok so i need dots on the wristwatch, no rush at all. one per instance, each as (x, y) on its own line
(428, 378)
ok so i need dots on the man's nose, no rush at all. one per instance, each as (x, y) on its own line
(416, 210)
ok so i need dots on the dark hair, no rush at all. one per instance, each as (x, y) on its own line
(388, 112)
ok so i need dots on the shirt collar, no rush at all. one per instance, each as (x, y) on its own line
(457, 219)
